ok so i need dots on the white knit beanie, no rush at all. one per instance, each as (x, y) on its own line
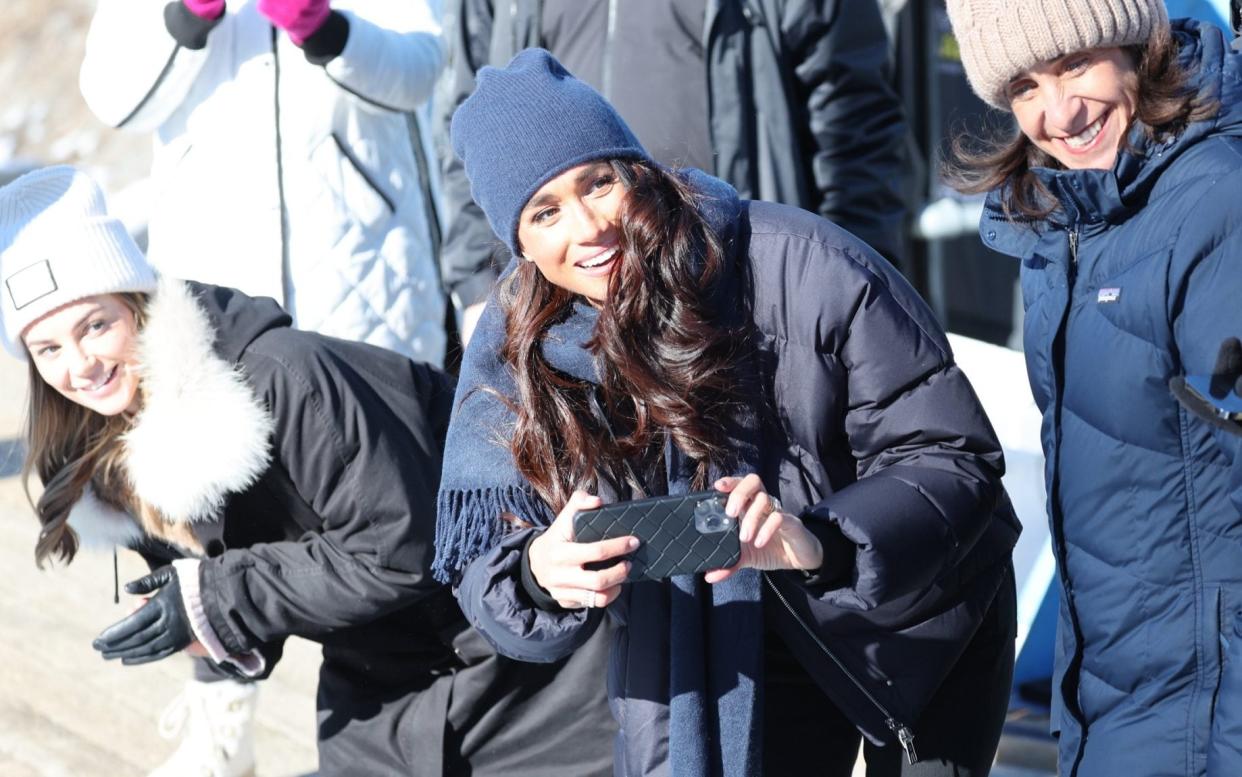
(999, 39)
(58, 245)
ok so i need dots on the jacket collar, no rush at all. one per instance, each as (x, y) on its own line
(202, 433)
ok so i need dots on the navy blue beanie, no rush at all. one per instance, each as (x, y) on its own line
(524, 125)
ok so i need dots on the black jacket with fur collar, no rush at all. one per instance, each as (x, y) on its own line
(307, 468)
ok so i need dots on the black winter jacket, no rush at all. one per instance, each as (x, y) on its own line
(328, 540)
(878, 437)
(307, 469)
(802, 112)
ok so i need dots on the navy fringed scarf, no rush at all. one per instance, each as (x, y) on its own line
(714, 633)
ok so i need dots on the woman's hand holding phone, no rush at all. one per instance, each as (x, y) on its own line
(557, 562)
(770, 539)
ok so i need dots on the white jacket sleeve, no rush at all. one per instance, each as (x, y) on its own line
(393, 55)
(135, 73)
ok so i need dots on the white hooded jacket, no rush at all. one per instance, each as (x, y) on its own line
(283, 178)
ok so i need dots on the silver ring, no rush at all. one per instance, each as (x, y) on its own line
(776, 505)
(590, 600)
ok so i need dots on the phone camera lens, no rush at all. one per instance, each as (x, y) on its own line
(710, 517)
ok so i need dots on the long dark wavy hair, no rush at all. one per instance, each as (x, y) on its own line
(668, 357)
(1167, 103)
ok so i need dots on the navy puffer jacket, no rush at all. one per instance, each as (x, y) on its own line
(876, 432)
(1137, 278)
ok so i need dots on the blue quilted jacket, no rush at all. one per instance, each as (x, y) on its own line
(1135, 279)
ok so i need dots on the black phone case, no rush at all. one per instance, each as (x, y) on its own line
(672, 544)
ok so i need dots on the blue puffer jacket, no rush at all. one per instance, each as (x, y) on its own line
(875, 431)
(1136, 279)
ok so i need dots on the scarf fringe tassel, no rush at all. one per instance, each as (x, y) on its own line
(468, 524)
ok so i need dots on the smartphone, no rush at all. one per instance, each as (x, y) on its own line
(679, 535)
(1227, 407)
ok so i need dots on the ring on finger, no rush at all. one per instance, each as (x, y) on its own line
(589, 600)
(776, 506)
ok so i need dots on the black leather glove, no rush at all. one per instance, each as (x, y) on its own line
(1216, 398)
(155, 630)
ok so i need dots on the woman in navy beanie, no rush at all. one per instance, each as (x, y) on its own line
(654, 334)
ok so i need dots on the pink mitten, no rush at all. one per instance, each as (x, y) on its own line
(299, 18)
(205, 9)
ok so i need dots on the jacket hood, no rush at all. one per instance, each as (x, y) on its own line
(237, 319)
(1095, 196)
(718, 201)
(202, 433)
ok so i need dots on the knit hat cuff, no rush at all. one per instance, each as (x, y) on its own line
(60, 246)
(1000, 40)
(524, 125)
(594, 155)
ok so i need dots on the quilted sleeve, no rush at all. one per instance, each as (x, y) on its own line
(496, 603)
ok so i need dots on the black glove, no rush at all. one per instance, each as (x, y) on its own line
(155, 630)
(1216, 398)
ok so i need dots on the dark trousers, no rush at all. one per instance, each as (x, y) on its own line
(956, 736)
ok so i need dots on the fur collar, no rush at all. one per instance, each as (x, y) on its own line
(202, 433)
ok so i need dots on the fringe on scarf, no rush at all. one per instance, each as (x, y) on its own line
(468, 524)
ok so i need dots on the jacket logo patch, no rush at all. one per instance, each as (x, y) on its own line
(1111, 294)
(30, 284)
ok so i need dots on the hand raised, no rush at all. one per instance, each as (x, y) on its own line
(205, 9)
(299, 18)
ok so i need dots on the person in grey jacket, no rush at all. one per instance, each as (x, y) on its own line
(655, 334)
(280, 483)
(787, 100)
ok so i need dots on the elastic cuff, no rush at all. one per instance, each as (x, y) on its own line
(188, 29)
(326, 43)
(839, 555)
(251, 663)
(539, 595)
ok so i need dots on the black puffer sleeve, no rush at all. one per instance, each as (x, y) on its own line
(492, 596)
(867, 380)
(928, 461)
(359, 432)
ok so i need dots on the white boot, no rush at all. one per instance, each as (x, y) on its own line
(216, 721)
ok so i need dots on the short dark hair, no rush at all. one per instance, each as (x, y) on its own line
(1167, 103)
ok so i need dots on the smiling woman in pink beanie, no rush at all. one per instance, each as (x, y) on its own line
(1118, 189)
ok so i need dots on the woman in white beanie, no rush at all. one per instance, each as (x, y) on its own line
(1119, 190)
(279, 483)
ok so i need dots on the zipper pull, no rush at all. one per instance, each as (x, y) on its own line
(905, 738)
(1073, 243)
